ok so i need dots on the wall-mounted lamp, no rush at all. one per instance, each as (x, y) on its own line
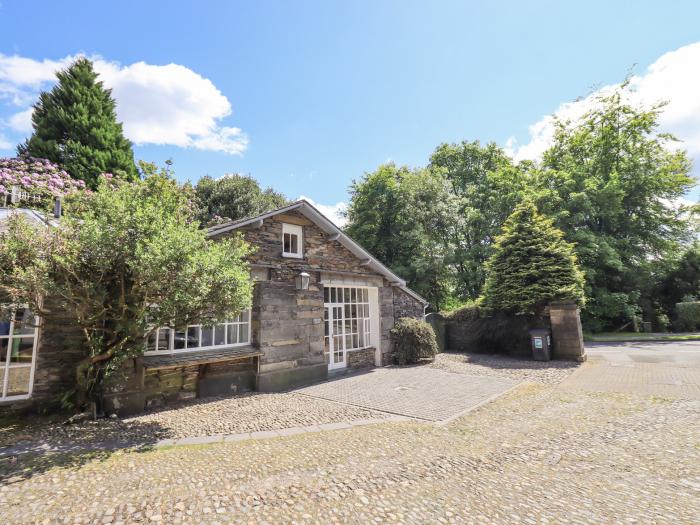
(302, 281)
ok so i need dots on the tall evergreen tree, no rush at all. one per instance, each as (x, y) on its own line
(75, 125)
(531, 265)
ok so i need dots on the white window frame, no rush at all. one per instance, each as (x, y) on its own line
(365, 320)
(171, 337)
(293, 229)
(5, 362)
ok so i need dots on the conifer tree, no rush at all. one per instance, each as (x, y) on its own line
(531, 265)
(75, 126)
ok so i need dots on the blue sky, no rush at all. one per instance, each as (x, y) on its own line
(305, 96)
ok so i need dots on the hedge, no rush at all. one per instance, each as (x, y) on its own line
(687, 317)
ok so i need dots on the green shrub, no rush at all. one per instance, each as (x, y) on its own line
(412, 340)
(687, 317)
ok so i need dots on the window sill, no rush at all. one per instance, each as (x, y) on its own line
(199, 357)
(13, 399)
(292, 256)
(195, 350)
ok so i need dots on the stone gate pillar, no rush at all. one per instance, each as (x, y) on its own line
(567, 334)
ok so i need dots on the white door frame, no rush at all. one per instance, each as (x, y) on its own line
(340, 307)
(331, 343)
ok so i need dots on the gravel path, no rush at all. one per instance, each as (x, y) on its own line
(519, 369)
(536, 455)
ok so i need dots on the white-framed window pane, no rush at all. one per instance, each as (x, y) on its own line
(180, 339)
(219, 334)
(17, 344)
(18, 380)
(243, 333)
(207, 336)
(193, 336)
(164, 339)
(5, 322)
(232, 334)
(25, 322)
(21, 350)
(151, 343)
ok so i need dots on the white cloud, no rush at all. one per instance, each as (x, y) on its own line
(158, 104)
(674, 77)
(21, 122)
(5, 144)
(333, 211)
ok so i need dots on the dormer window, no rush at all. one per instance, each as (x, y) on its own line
(292, 241)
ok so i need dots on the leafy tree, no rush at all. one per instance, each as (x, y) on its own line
(406, 218)
(75, 126)
(233, 197)
(531, 265)
(487, 186)
(681, 282)
(127, 259)
(609, 181)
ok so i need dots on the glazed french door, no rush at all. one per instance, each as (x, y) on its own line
(337, 355)
(347, 322)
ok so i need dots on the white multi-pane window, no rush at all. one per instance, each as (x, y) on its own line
(18, 337)
(346, 320)
(235, 332)
(292, 241)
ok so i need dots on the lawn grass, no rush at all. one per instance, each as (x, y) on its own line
(610, 337)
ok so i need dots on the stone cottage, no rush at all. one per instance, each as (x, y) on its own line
(321, 305)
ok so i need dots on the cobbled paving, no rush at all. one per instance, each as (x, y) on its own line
(202, 417)
(538, 454)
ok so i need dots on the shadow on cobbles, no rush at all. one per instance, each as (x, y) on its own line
(29, 457)
(35, 447)
(16, 468)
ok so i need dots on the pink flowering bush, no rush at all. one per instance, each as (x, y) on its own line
(38, 180)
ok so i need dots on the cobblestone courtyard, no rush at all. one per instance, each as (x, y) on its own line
(546, 452)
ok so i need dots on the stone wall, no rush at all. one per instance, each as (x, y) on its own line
(134, 388)
(406, 306)
(174, 384)
(60, 349)
(360, 359)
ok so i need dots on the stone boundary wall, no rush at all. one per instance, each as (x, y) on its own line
(499, 333)
(510, 334)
